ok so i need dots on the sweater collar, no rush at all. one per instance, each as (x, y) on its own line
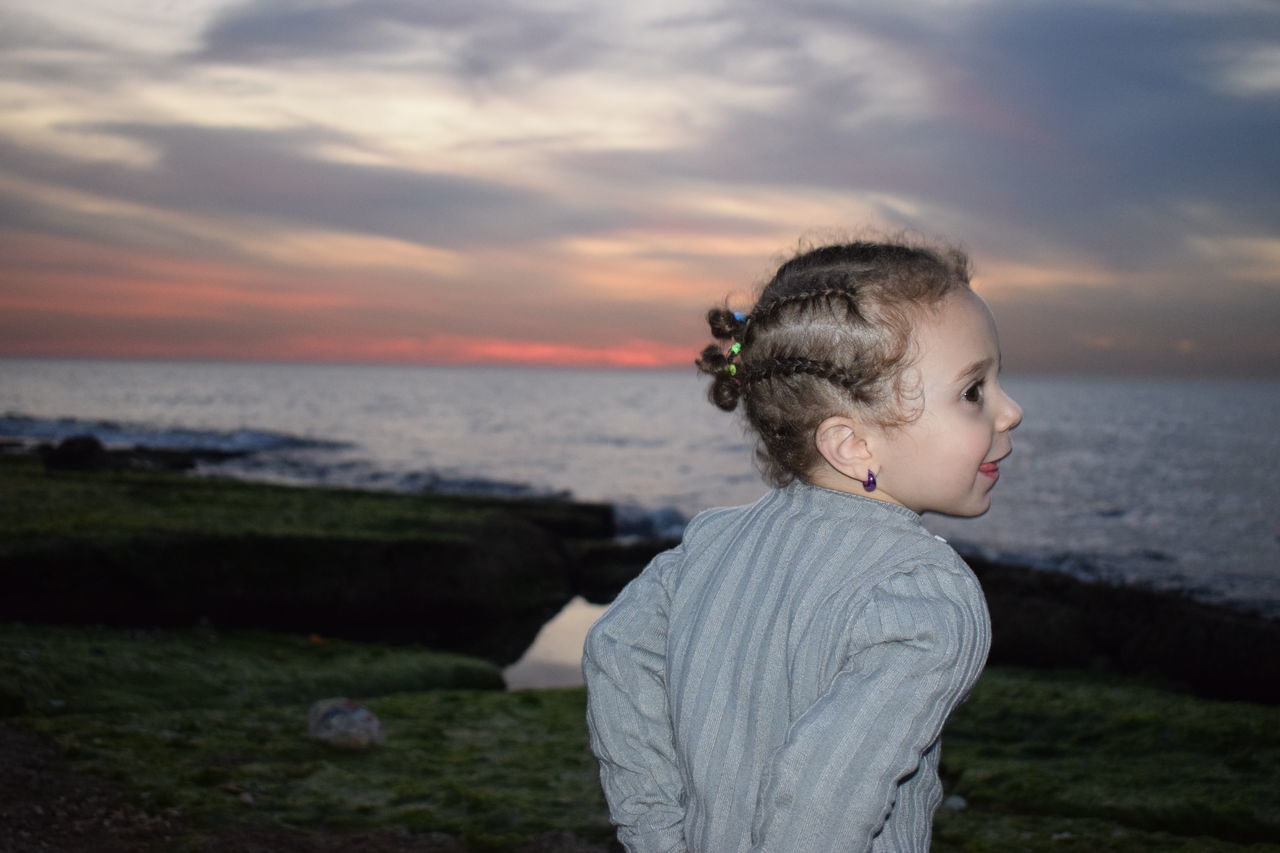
(839, 501)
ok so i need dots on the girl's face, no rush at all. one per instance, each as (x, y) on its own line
(947, 459)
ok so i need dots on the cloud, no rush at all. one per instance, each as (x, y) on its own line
(1182, 331)
(269, 176)
(1094, 123)
(1139, 93)
(566, 176)
(469, 38)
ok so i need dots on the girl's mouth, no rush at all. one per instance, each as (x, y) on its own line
(990, 469)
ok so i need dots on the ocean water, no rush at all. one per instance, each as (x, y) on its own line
(1173, 484)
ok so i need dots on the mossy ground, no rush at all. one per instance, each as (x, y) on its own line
(1061, 762)
(1052, 760)
(49, 670)
(493, 768)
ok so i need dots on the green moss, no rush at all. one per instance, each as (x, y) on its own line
(106, 507)
(57, 670)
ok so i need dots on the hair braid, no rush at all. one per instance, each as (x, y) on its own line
(849, 378)
(769, 312)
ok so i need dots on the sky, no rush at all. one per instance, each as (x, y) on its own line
(573, 182)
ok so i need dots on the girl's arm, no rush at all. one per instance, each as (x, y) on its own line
(918, 646)
(627, 716)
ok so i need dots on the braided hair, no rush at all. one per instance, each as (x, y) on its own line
(829, 334)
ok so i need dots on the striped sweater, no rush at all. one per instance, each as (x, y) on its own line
(779, 681)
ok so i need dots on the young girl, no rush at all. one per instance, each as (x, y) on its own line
(779, 681)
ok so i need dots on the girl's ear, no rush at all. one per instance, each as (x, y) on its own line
(841, 441)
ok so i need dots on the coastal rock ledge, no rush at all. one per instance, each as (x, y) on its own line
(481, 576)
(484, 591)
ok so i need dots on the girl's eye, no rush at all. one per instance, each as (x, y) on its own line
(973, 394)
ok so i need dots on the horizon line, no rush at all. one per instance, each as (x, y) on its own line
(1054, 373)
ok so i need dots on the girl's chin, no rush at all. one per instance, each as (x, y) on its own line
(971, 509)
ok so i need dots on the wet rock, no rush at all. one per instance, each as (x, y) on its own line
(77, 453)
(87, 453)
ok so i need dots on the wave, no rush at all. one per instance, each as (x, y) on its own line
(304, 467)
(1081, 565)
(122, 434)
(637, 522)
(1149, 569)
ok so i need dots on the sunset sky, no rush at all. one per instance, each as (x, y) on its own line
(574, 182)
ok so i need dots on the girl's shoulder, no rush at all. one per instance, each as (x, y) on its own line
(919, 547)
(925, 568)
(713, 519)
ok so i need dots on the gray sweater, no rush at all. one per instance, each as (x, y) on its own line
(779, 681)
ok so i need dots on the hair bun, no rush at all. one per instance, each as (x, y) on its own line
(725, 391)
(725, 324)
(725, 388)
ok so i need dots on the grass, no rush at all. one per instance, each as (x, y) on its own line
(1074, 762)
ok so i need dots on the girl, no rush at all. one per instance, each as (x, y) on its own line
(779, 681)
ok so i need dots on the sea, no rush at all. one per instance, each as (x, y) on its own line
(1171, 484)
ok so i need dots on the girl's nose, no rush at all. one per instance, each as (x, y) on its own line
(1011, 416)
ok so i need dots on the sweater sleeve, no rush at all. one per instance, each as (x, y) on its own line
(918, 645)
(628, 717)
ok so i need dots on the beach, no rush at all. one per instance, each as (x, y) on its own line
(294, 549)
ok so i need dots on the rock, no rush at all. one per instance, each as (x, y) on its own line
(344, 723)
(159, 459)
(1048, 619)
(604, 567)
(514, 580)
(87, 453)
(78, 453)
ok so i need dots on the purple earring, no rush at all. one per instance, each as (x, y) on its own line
(870, 483)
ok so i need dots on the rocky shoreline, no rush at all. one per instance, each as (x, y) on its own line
(194, 740)
(98, 539)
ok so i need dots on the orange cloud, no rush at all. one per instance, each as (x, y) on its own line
(72, 298)
(459, 349)
(70, 277)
